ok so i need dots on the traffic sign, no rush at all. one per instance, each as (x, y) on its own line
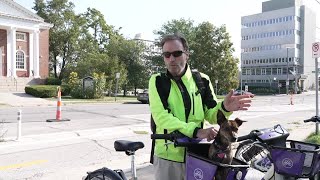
(316, 50)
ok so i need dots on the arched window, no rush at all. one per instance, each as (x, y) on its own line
(20, 61)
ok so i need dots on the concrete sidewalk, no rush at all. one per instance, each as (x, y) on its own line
(20, 99)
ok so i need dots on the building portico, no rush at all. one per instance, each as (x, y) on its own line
(24, 42)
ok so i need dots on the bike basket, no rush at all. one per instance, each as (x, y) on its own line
(199, 167)
(301, 160)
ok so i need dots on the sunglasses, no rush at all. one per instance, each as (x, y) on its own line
(174, 54)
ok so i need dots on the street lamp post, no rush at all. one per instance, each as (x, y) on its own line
(241, 74)
(274, 79)
(287, 81)
(117, 79)
(216, 81)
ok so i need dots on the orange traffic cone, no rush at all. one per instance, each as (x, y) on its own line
(58, 113)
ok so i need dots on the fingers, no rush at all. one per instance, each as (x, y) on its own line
(212, 134)
(229, 94)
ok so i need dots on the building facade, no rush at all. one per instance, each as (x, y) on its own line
(24, 42)
(276, 46)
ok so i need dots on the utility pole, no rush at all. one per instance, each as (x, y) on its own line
(287, 81)
(241, 73)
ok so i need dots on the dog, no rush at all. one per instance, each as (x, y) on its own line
(220, 149)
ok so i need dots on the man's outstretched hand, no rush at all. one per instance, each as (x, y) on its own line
(236, 103)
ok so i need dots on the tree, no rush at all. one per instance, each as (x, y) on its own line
(130, 54)
(64, 33)
(210, 50)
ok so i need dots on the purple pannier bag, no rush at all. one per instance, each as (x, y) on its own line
(301, 160)
(199, 167)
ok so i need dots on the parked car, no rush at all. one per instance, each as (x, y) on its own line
(143, 97)
(238, 92)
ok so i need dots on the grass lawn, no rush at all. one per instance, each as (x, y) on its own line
(105, 99)
(313, 138)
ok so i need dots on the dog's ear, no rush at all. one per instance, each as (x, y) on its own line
(221, 118)
(239, 121)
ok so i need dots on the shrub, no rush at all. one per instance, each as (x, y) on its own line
(77, 91)
(65, 90)
(42, 91)
(53, 81)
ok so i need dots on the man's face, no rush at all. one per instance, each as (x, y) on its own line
(175, 57)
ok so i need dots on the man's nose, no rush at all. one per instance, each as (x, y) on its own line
(172, 58)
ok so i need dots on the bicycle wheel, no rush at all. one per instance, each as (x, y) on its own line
(103, 174)
(255, 154)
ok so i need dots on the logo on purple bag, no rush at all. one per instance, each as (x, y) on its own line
(287, 163)
(239, 175)
(198, 174)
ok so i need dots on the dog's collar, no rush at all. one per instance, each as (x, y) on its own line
(220, 148)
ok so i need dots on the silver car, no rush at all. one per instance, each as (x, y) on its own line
(143, 97)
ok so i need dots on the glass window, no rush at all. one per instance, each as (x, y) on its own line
(268, 71)
(21, 36)
(20, 64)
(279, 71)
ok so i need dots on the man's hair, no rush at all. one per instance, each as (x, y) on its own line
(175, 36)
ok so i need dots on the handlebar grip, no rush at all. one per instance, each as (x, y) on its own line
(246, 137)
(308, 120)
(161, 136)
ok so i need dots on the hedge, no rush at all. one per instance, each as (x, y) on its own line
(42, 91)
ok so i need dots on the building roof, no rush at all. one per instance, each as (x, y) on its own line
(11, 9)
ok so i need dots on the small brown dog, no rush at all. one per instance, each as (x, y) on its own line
(220, 149)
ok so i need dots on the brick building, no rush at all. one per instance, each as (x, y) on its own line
(24, 43)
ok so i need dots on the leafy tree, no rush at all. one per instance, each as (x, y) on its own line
(130, 54)
(64, 33)
(210, 50)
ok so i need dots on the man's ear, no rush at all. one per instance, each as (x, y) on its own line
(221, 118)
(239, 121)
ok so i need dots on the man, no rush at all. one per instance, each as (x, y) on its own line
(176, 104)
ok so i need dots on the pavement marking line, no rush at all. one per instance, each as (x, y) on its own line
(25, 164)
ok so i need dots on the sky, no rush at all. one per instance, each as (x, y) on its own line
(145, 16)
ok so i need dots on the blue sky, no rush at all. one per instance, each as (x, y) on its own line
(145, 16)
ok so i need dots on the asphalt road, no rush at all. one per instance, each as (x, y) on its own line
(67, 150)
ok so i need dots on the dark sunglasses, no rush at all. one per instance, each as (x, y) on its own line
(174, 54)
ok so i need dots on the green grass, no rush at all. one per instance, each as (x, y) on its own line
(106, 99)
(313, 138)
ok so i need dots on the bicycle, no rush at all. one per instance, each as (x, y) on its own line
(129, 147)
(269, 151)
(198, 166)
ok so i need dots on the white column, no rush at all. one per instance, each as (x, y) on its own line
(36, 54)
(31, 73)
(11, 52)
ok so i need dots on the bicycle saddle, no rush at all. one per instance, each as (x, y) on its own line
(124, 145)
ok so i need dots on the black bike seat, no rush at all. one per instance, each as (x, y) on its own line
(124, 145)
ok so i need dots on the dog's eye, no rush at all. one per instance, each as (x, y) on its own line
(234, 129)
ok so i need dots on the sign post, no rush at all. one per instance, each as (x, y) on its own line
(216, 81)
(117, 79)
(316, 54)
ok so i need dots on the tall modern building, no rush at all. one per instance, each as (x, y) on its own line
(277, 46)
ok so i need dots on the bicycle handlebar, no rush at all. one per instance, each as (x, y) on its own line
(172, 136)
(313, 119)
(252, 135)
